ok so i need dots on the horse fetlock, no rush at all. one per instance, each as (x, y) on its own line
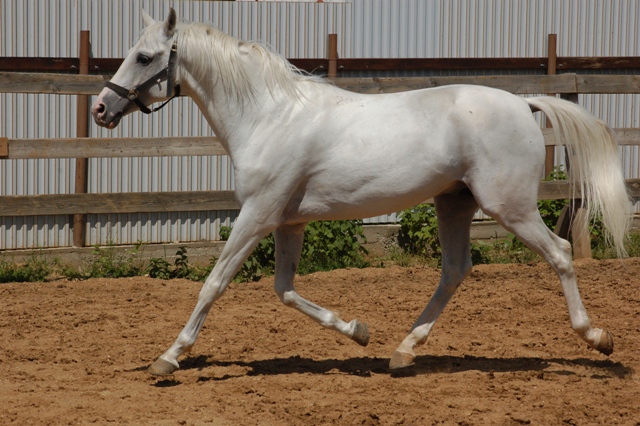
(582, 326)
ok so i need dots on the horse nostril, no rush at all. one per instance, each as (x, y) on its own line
(99, 109)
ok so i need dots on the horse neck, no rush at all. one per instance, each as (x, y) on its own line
(233, 113)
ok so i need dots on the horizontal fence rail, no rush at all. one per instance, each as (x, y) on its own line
(111, 65)
(181, 201)
(111, 147)
(128, 202)
(69, 84)
(15, 149)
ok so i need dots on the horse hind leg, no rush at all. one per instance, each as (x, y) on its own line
(528, 226)
(289, 239)
(455, 213)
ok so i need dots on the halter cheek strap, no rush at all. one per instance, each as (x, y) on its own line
(167, 73)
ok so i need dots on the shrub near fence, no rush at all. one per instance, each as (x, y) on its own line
(82, 148)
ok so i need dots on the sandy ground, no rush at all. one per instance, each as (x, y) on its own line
(502, 353)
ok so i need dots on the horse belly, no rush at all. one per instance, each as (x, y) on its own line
(340, 196)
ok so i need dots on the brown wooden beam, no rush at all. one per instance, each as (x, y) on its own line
(26, 64)
(531, 84)
(131, 202)
(332, 55)
(64, 84)
(4, 147)
(184, 201)
(114, 147)
(560, 189)
(60, 84)
(549, 160)
(170, 146)
(111, 65)
(82, 131)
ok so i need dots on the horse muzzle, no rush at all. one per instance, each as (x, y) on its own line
(108, 114)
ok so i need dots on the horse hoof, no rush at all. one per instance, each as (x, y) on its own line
(605, 343)
(401, 360)
(361, 333)
(162, 368)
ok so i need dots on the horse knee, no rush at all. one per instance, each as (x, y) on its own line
(211, 291)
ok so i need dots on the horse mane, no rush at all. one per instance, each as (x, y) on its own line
(203, 44)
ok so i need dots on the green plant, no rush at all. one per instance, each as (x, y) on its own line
(327, 245)
(419, 231)
(260, 262)
(550, 210)
(109, 262)
(633, 245)
(504, 250)
(481, 253)
(162, 269)
(181, 264)
(159, 268)
(36, 268)
(332, 245)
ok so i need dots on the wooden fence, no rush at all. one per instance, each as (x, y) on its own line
(101, 203)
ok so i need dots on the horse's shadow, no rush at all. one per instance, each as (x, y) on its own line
(365, 366)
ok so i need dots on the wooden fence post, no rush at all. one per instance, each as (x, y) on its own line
(332, 55)
(578, 218)
(573, 221)
(551, 70)
(82, 121)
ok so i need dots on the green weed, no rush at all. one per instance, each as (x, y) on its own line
(36, 268)
(327, 245)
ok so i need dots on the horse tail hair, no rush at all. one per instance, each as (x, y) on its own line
(595, 166)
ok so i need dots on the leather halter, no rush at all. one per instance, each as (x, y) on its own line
(167, 73)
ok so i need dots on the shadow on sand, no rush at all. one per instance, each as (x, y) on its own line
(365, 366)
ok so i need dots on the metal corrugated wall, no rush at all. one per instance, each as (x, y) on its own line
(365, 28)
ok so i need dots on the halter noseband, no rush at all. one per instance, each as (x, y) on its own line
(167, 73)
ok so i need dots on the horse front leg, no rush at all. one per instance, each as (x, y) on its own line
(249, 229)
(289, 239)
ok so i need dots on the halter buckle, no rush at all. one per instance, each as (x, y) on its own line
(132, 95)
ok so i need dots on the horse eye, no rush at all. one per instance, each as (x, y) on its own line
(143, 60)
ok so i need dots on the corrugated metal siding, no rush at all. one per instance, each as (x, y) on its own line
(494, 28)
(365, 28)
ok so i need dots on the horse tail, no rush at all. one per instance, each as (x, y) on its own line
(595, 166)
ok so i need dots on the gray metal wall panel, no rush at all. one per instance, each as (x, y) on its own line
(365, 28)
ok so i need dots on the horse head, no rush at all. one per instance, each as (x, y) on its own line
(147, 75)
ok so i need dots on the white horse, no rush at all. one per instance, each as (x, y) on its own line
(306, 150)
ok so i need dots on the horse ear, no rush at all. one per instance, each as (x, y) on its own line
(148, 20)
(170, 23)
